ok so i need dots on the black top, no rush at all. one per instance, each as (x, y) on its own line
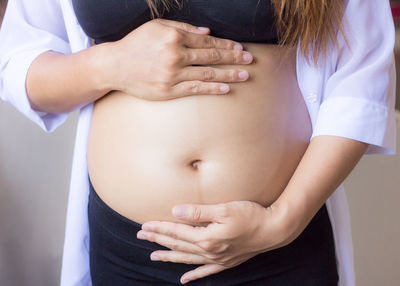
(238, 20)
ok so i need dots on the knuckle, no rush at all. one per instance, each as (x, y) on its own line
(232, 75)
(185, 26)
(214, 251)
(212, 256)
(214, 55)
(158, 24)
(230, 44)
(223, 247)
(208, 74)
(207, 245)
(175, 35)
(209, 41)
(173, 235)
(194, 87)
(173, 245)
(196, 214)
(214, 88)
(237, 57)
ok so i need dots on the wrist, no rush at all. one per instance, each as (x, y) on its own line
(296, 209)
(277, 222)
(290, 216)
(99, 67)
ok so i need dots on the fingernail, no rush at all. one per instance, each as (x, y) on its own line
(202, 28)
(154, 257)
(147, 226)
(184, 280)
(179, 211)
(243, 74)
(238, 47)
(141, 235)
(224, 88)
(247, 57)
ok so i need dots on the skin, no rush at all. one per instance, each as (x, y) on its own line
(246, 143)
(240, 230)
(60, 83)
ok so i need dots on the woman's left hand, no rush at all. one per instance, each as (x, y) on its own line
(237, 231)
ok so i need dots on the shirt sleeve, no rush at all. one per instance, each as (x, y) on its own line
(358, 101)
(29, 28)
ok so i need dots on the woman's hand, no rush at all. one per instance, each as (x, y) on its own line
(237, 231)
(155, 61)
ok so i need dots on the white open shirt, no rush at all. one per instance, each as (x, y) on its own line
(351, 94)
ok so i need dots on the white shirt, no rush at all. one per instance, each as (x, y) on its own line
(351, 94)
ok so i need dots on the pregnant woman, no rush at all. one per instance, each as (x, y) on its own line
(145, 156)
(212, 121)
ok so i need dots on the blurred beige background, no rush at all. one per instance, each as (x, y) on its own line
(34, 177)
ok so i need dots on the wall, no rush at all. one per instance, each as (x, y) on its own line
(34, 178)
(373, 192)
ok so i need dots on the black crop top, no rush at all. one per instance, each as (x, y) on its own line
(238, 20)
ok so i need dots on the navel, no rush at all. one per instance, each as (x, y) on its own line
(195, 164)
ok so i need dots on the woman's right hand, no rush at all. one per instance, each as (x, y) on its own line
(158, 61)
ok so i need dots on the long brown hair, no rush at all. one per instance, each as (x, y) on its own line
(312, 23)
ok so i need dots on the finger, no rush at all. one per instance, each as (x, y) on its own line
(197, 87)
(183, 26)
(211, 74)
(177, 231)
(178, 257)
(216, 56)
(201, 272)
(170, 242)
(206, 41)
(201, 212)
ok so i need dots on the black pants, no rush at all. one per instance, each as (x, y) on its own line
(118, 258)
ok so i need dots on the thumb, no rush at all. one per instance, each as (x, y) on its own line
(183, 26)
(200, 212)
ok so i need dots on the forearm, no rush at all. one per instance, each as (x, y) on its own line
(327, 161)
(60, 83)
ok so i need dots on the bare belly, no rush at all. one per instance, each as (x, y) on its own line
(146, 156)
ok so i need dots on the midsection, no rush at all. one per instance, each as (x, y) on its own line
(144, 157)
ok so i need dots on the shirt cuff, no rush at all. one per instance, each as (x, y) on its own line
(14, 79)
(358, 119)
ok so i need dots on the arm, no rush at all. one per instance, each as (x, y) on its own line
(44, 80)
(356, 114)
(60, 83)
(327, 161)
(148, 63)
